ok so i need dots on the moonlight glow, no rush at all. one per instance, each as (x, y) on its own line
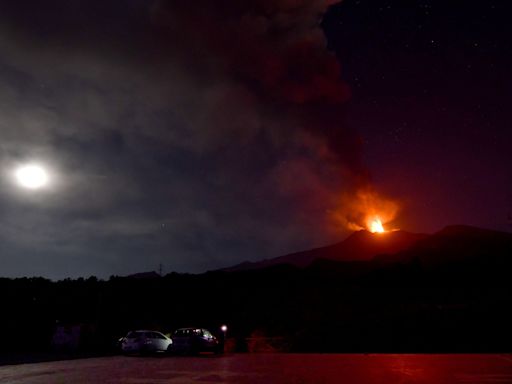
(31, 176)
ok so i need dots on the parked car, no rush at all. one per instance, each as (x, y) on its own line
(145, 341)
(194, 340)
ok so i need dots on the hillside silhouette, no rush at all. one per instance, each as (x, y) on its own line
(446, 292)
(359, 246)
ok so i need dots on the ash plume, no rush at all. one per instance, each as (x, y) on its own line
(172, 125)
(276, 52)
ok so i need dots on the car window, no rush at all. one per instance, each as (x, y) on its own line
(207, 333)
(132, 335)
(187, 332)
(156, 335)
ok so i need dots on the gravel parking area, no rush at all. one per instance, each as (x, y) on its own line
(268, 368)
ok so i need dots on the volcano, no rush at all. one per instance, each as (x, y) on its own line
(359, 246)
(453, 244)
(456, 244)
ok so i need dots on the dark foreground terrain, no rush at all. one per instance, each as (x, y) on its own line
(269, 368)
(449, 292)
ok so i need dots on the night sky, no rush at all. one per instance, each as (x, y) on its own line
(200, 134)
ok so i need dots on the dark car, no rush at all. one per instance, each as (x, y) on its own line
(194, 340)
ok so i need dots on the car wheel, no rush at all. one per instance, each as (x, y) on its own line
(144, 351)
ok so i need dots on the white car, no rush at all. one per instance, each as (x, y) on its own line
(145, 341)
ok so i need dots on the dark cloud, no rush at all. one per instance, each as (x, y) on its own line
(193, 134)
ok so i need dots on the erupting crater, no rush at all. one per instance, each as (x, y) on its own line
(375, 225)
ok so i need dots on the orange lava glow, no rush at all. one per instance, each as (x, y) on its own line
(368, 210)
(374, 225)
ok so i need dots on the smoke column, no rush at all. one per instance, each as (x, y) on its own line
(276, 53)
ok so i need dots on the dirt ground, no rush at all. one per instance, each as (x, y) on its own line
(268, 368)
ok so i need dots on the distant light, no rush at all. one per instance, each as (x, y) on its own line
(224, 328)
(31, 176)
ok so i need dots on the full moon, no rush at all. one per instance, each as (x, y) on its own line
(31, 176)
